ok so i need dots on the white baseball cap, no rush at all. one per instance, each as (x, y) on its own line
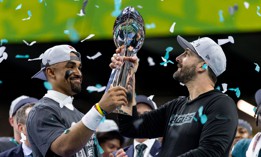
(209, 51)
(53, 55)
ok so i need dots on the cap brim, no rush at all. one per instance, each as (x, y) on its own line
(22, 103)
(40, 75)
(185, 44)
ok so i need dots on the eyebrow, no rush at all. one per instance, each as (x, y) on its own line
(71, 63)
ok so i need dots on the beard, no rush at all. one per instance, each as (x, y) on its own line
(185, 74)
(76, 88)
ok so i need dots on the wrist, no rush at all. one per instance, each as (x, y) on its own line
(100, 110)
(92, 119)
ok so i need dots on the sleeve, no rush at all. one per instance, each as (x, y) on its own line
(44, 125)
(141, 126)
(218, 132)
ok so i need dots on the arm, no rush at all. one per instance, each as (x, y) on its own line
(49, 133)
(148, 125)
(218, 132)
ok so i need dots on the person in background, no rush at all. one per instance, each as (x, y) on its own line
(109, 137)
(244, 131)
(201, 124)
(9, 142)
(254, 149)
(142, 147)
(24, 149)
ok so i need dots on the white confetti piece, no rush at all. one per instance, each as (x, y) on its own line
(29, 16)
(224, 41)
(246, 4)
(257, 11)
(95, 88)
(150, 97)
(98, 54)
(224, 87)
(81, 13)
(150, 61)
(18, 7)
(97, 6)
(3, 54)
(182, 84)
(29, 44)
(257, 67)
(139, 6)
(172, 27)
(89, 37)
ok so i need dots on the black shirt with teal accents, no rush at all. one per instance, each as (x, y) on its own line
(203, 127)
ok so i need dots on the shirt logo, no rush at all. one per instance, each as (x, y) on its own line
(181, 119)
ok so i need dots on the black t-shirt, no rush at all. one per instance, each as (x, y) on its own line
(184, 134)
(47, 121)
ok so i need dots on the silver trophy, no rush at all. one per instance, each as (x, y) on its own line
(129, 33)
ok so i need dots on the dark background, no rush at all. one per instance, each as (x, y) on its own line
(151, 80)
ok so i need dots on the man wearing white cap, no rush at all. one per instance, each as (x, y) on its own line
(54, 126)
(199, 125)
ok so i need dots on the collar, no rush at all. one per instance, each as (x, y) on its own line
(26, 150)
(148, 142)
(62, 99)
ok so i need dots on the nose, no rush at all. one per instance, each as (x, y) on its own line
(178, 59)
(78, 71)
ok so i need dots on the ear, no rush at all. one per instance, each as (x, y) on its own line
(50, 72)
(203, 67)
(11, 121)
(20, 127)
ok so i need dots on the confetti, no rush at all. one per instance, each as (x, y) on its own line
(150, 97)
(1, 82)
(97, 6)
(21, 56)
(166, 57)
(48, 85)
(3, 41)
(139, 6)
(89, 37)
(96, 88)
(205, 66)
(18, 7)
(172, 27)
(81, 13)
(246, 4)
(117, 6)
(233, 9)
(224, 87)
(66, 131)
(150, 26)
(3, 54)
(29, 16)
(221, 18)
(257, 67)
(218, 87)
(257, 11)
(203, 117)
(182, 84)
(101, 151)
(1, 0)
(236, 90)
(85, 2)
(40, 1)
(71, 32)
(224, 41)
(150, 61)
(98, 54)
(29, 44)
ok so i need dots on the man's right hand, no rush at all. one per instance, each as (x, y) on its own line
(114, 97)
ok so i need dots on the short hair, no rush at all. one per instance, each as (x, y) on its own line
(21, 116)
(106, 136)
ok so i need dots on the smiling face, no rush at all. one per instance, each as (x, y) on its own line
(58, 76)
(187, 64)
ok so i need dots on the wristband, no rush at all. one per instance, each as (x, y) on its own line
(92, 119)
(100, 110)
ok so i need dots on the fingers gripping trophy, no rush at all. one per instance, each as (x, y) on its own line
(129, 34)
